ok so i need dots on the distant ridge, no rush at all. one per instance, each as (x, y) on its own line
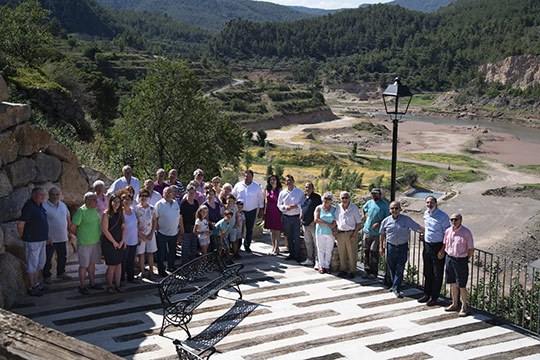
(315, 11)
(421, 5)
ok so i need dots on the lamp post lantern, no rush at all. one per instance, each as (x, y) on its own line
(396, 98)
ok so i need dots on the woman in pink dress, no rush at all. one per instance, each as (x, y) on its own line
(272, 214)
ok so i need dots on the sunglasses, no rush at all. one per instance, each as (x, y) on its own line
(329, 199)
(455, 219)
(394, 208)
(345, 197)
(143, 195)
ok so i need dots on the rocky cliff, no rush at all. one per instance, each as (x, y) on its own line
(519, 71)
(29, 157)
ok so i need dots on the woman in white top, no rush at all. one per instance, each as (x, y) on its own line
(132, 239)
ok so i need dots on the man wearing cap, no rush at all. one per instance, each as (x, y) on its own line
(395, 229)
(348, 222)
(373, 213)
(436, 222)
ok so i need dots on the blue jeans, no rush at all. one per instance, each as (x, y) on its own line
(166, 248)
(396, 259)
(250, 222)
(291, 226)
(189, 247)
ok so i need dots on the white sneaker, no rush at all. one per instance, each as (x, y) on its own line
(307, 262)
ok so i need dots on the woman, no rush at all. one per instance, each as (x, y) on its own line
(147, 224)
(225, 191)
(215, 213)
(325, 226)
(272, 214)
(131, 239)
(216, 183)
(198, 176)
(112, 243)
(102, 200)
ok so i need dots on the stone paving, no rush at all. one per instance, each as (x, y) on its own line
(288, 311)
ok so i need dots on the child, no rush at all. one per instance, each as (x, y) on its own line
(231, 205)
(202, 228)
(239, 228)
(224, 226)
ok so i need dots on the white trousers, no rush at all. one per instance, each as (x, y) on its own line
(325, 245)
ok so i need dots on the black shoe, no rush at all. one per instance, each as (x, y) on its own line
(350, 276)
(248, 250)
(342, 274)
(96, 286)
(230, 262)
(34, 292)
(431, 302)
(163, 274)
(236, 256)
(423, 299)
(84, 290)
(290, 257)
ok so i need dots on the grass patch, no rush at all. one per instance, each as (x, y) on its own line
(532, 169)
(425, 99)
(301, 157)
(530, 186)
(369, 127)
(464, 176)
(450, 159)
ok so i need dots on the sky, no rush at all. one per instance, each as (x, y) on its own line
(327, 4)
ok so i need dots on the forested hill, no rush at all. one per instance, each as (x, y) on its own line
(433, 51)
(421, 5)
(211, 14)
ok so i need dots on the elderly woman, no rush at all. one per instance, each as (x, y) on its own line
(225, 191)
(272, 214)
(131, 239)
(113, 244)
(216, 183)
(147, 227)
(102, 200)
(325, 226)
(198, 176)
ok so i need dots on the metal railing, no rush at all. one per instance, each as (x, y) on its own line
(497, 285)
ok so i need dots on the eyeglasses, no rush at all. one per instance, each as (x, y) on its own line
(344, 197)
(329, 199)
(143, 195)
(455, 219)
(394, 208)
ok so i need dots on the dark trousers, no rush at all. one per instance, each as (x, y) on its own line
(189, 247)
(371, 253)
(250, 222)
(128, 262)
(166, 248)
(61, 252)
(291, 226)
(396, 258)
(433, 269)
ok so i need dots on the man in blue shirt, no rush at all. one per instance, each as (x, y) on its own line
(395, 230)
(373, 213)
(436, 222)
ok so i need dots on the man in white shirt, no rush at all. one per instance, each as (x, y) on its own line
(154, 198)
(348, 221)
(59, 221)
(124, 181)
(290, 203)
(250, 193)
(167, 213)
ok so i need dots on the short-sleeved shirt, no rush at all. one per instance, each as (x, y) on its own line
(159, 188)
(167, 217)
(346, 220)
(376, 212)
(188, 211)
(308, 208)
(458, 242)
(132, 234)
(102, 203)
(222, 225)
(145, 216)
(397, 230)
(436, 225)
(57, 218)
(36, 227)
(181, 190)
(290, 197)
(88, 225)
(327, 217)
(122, 182)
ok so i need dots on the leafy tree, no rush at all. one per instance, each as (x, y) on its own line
(168, 123)
(248, 135)
(261, 137)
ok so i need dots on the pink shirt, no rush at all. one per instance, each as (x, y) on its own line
(457, 243)
(102, 204)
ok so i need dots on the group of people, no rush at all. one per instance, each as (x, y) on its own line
(128, 225)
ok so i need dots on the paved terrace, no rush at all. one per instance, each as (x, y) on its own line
(289, 312)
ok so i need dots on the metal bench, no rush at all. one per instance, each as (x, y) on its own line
(180, 295)
(185, 354)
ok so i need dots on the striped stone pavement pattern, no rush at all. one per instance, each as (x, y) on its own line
(288, 312)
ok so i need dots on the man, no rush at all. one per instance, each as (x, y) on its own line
(310, 202)
(290, 203)
(86, 226)
(395, 230)
(436, 222)
(33, 229)
(124, 181)
(167, 213)
(348, 222)
(373, 213)
(154, 198)
(59, 222)
(160, 184)
(173, 174)
(250, 194)
(459, 247)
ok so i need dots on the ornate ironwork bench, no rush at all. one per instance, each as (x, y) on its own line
(185, 354)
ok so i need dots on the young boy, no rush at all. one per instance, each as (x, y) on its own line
(239, 228)
(224, 226)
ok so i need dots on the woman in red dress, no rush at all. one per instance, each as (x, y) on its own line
(272, 214)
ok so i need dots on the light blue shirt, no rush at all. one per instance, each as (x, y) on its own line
(327, 217)
(376, 212)
(397, 230)
(435, 224)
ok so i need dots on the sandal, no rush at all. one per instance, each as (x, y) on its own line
(95, 286)
(111, 290)
(120, 289)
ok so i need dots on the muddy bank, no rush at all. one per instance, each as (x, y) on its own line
(281, 121)
(530, 192)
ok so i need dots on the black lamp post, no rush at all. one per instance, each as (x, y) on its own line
(396, 98)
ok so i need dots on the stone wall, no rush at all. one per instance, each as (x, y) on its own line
(29, 157)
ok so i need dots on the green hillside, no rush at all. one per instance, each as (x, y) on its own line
(211, 14)
(421, 5)
(432, 51)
